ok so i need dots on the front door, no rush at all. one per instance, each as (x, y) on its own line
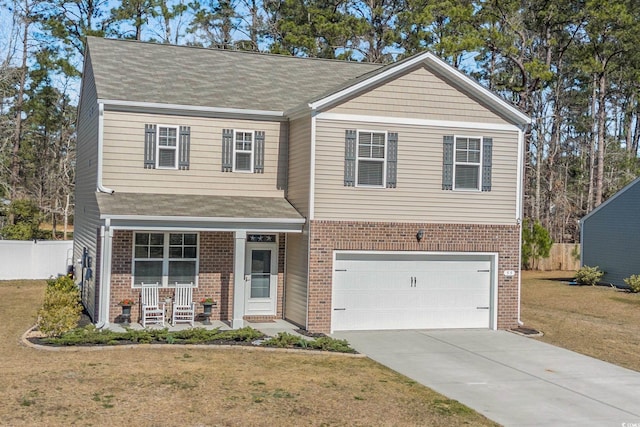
(261, 279)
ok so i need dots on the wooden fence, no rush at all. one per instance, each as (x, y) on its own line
(563, 256)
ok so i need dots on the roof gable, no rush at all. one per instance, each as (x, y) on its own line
(630, 189)
(451, 75)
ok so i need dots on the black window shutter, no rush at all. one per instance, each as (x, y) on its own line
(149, 146)
(487, 147)
(350, 158)
(392, 159)
(227, 150)
(184, 147)
(447, 162)
(258, 153)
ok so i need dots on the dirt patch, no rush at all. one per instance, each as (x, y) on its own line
(195, 387)
(598, 321)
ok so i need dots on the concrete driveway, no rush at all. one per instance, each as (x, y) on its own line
(513, 380)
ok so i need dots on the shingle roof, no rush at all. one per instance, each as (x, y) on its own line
(169, 74)
(183, 205)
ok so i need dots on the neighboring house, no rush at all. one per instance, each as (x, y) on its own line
(336, 195)
(609, 236)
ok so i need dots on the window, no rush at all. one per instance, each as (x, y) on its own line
(165, 258)
(167, 147)
(243, 151)
(467, 163)
(371, 159)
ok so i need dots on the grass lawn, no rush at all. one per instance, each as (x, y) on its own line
(196, 387)
(598, 321)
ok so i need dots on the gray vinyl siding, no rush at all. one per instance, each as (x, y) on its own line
(299, 164)
(86, 219)
(296, 283)
(124, 157)
(419, 196)
(419, 94)
(610, 237)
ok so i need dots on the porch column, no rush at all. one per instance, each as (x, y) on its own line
(240, 238)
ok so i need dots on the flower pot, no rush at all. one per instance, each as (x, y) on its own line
(126, 314)
(207, 312)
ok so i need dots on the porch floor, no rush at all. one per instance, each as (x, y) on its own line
(270, 329)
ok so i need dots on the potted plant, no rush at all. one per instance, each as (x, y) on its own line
(126, 309)
(207, 303)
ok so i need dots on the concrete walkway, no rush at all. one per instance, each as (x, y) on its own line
(513, 380)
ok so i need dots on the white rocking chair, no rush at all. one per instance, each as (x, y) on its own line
(152, 310)
(184, 309)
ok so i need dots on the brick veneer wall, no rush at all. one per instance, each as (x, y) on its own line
(215, 277)
(327, 236)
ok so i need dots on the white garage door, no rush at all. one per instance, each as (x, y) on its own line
(411, 291)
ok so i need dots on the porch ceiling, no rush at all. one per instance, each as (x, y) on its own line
(196, 210)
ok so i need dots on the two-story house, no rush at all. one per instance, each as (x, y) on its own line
(336, 195)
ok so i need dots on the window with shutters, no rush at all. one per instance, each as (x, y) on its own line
(165, 259)
(371, 156)
(467, 163)
(243, 151)
(243, 146)
(370, 159)
(167, 147)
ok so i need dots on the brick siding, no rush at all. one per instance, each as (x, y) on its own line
(327, 236)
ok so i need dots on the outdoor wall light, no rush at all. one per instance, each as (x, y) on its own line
(420, 234)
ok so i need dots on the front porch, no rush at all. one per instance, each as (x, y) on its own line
(233, 257)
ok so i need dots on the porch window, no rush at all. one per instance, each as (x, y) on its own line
(165, 258)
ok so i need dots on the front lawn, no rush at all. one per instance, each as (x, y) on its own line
(194, 387)
(598, 321)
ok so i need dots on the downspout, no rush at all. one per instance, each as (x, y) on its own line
(101, 188)
(106, 235)
(519, 213)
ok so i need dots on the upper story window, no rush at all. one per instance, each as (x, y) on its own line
(165, 259)
(370, 159)
(243, 151)
(167, 147)
(467, 163)
(468, 157)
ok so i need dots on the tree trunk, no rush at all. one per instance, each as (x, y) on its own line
(14, 181)
(592, 144)
(602, 116)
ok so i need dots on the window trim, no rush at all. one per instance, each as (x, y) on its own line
(253, 149)
(456, 163)
(384, 160)
(165, 258)
(159, 147)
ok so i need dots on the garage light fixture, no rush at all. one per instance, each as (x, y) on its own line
(420, 234)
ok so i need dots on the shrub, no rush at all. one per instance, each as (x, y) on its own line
(633, 282)
(536, 243)
(589, 275)
(61, 310)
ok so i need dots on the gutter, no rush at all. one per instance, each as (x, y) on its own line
(101, 188)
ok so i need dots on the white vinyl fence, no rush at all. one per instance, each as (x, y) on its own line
(34, 260)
